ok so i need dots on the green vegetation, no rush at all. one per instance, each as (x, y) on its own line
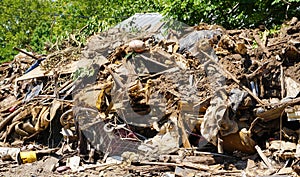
(233, 13)
(37, 24)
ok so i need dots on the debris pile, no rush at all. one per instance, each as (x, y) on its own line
(167, 100)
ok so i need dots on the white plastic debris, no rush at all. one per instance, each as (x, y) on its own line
(73, 163)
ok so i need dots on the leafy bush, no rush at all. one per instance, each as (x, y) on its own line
(232, 13)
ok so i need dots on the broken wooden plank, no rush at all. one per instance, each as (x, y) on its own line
(184, 136)
(183, 172)
(183, 164)
(260, 43)
(154, 62)
(203, 159)
(276, 110)
(263, 157)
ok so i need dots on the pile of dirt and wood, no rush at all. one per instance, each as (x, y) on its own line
(163, 100)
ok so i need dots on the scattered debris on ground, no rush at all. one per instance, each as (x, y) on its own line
(169, 100)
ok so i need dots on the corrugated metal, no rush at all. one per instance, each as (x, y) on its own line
(160, 27)
(139, 21)
(153, 23)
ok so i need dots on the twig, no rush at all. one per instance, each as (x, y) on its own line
(282, 82)
(280, 128)
(259, 71)
(66, 86)
(55, 78)
(47, 151)
(26, 53)
(154, 61)
(233, 8)
(286, 2)
(162, 72)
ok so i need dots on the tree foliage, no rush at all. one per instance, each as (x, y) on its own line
(31, 24)
(232, 13)
(34, 24)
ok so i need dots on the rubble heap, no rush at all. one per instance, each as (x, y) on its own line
(198, 101)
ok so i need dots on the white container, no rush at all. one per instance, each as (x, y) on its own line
(8, 153)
